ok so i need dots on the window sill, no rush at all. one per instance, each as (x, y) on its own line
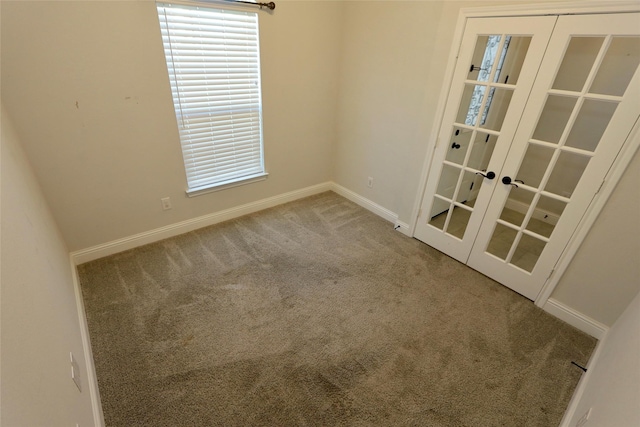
(226, 184)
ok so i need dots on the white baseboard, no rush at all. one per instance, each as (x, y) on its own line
(365, 203)
(403, 227)
(575, 318)
(582, 384)
(92, 378)
(557, 309)
(540, 214)
(385, 213)
(130, 242)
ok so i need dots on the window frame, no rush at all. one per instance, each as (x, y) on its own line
(202, 180)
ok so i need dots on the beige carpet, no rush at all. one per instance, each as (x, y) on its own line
(318, 313)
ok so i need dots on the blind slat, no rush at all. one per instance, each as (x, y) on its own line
(214, 69)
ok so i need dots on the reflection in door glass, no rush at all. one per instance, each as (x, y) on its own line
(458, 145)
(577, 63)
(527, 253)
(448, 181)
(466, 193)
(470, 105)
(618, 67)
(496, 108)
(566, 173)
(511, 58)
(554, 118)
(590, 124)
(438, 213)
(510, 66)
(501, 241)
(483, 146)
(546, 215)
(484, 57)
(484, 72)
(458, 222)
(516, 206)
(534, 164)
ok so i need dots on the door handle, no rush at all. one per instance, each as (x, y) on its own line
(455, 145)
(507, 180)
(489, 175)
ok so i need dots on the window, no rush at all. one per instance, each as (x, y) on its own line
(485, 70)
(214, 68)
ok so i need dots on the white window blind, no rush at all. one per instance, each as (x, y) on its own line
(214, 69)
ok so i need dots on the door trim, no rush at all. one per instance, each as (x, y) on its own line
(620, 164)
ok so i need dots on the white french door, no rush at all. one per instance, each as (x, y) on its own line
(538, 110)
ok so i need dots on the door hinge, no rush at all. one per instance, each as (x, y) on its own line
(601, 185)
(550, 274)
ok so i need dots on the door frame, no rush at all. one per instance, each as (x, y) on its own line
(624, 157)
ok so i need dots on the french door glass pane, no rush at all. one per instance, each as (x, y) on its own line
(554, 118)
(464, 194)
(483, 146)
(458, 222)
(540, 227)
(619, 64)
(577, 63)
(509, 57)
(501, 241)
(448, 181)
(496, 108)
(515, 52)
(484, 56)
(534, 164)
(470, 104)
(516, 206)
(527, 253)
(546, 215)
(438, 214)
(458, 145)
(590, 124)
(567, 173)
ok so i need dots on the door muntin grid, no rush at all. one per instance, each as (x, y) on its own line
(482, 109)
(566, 137)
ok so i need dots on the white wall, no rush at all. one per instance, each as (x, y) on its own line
(40, 323)
(385, 107)
(605, 273)
(394, 55)
(612, 384)
(87, 86)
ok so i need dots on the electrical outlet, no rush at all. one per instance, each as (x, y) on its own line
(75, 372)
(583, 420)
(370, 182)
(166, 203)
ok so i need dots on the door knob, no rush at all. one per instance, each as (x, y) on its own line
(507, 180)
(489, 175)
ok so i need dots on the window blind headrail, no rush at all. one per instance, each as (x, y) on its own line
(232, 3)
